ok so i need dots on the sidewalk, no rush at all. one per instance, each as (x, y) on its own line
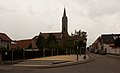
(49, 62)
(53, 61)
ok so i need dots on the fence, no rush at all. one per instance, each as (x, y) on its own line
(27, 54)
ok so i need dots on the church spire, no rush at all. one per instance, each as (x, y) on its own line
(64, 23)
(64, 14)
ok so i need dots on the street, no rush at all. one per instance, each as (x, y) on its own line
(101, 64)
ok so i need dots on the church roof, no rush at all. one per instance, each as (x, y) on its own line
(57, 35)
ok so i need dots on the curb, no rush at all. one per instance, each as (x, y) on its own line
(90, 59)
(114, 56)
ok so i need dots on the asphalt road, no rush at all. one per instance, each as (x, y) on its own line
(102, 64)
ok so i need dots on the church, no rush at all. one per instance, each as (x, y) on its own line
(64, 32)
(63, 35)
(64, 41)
(60, 36)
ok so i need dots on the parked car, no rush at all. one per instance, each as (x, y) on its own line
(102, 52)
(97, 51)
(92, 50)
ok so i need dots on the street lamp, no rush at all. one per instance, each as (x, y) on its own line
(84, 48)
(77, 53)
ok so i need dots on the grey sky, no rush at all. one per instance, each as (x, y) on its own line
(26, 18)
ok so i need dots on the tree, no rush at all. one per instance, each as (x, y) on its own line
(82, 45)
(51, 41)
(79, 32)
(117, 42)
(69, 43)
(41, 42)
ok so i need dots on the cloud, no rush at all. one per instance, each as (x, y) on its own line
(4, 9)
(93, 16)
(98, 16)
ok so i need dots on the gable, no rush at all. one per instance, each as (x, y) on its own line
(4, 37)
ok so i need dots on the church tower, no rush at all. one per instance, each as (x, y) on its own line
(64, 24)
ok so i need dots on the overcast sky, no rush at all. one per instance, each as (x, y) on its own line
(22, 19)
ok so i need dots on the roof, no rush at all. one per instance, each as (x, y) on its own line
(46, 35)
(4, 37)
(109, 38)
(24, 44)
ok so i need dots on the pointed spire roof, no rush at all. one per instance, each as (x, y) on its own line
(64, 12)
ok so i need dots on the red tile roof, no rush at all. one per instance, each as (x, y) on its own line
(4, 37)
(24, 44)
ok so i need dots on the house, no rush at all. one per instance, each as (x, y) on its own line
(106, 42)
(5, 41)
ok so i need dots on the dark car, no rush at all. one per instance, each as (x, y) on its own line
(102, 52)
(97, 52)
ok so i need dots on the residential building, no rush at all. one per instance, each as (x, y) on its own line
(106, 42)
(24, 44)
(5, 41)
